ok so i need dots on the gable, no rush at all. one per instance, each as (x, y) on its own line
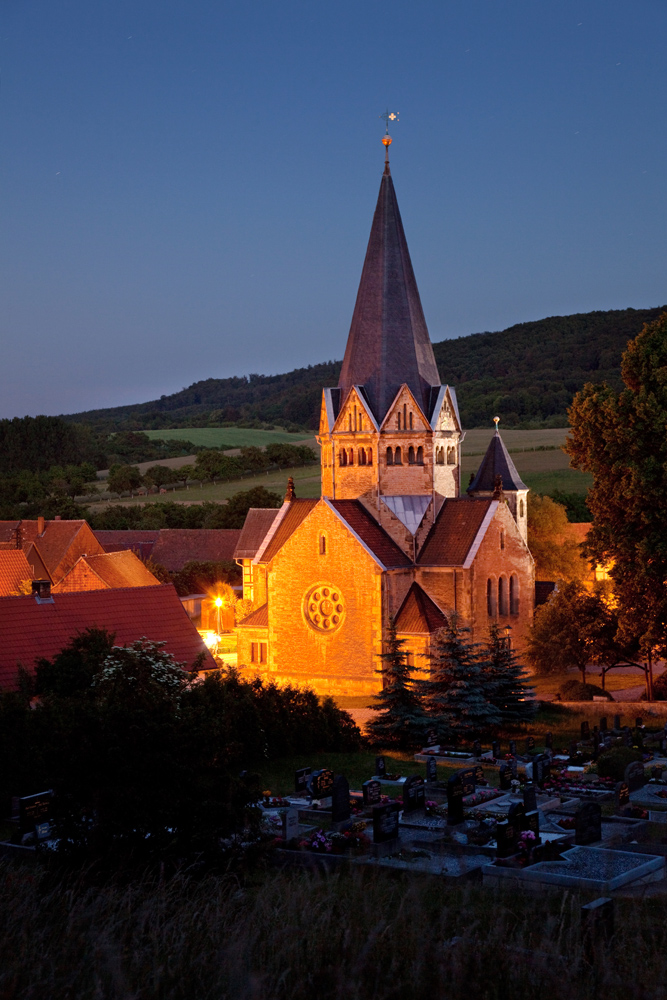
(446, 412)
(405, 413)
(419, 614)
(355, 414)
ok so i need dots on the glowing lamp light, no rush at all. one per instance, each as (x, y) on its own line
(218, 602)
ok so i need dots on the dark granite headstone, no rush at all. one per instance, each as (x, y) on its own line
(549, 741)
(585, 731)
(431, 738)
(372, 792)
(617, 723)
(479, 774)
(621, 796)
(541, 769)
(574, 748)
(321, 783)
(603, 724)
(431, 770)
(455, 800)
(506, 839)
(477, 748)
(532, 822)
(505, 777)
(634, 775)
(301, 780)
(530, 743)
(380, 767)
(34, 811)
(413, 793)
(340, 799)
(529, 797)
(588, 823)
(385, 822)
(516, 816)
(495, 749)
(513, 747)
(657, 771)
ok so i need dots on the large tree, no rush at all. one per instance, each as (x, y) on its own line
(620, 438)
(400, 720)
(556, 552)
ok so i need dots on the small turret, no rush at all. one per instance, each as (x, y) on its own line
(497, 477)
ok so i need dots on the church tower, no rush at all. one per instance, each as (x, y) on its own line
(390, 433)
(497, 474)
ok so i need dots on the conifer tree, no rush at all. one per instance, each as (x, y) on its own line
(455, 695)
(506, 683)
(400, 720)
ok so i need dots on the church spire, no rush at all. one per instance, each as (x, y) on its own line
(388, 342)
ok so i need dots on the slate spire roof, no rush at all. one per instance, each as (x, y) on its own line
(388, 344)
(496, 462)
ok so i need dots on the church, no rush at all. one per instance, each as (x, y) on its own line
(393, 534)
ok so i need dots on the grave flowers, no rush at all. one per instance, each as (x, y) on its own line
(318, 842)
(353, 839)
(525, 845)
(275, 802)
(434, 808)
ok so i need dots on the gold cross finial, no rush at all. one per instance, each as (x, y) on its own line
(389, 117)
(386, 138)
(496, 421)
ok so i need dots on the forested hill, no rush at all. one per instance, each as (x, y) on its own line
(526, 374)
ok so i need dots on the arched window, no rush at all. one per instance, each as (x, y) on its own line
(390, 456)
(397, 457)
(323, 545)
(411, 455)
(502, 539)
(502, 596)
(361, 422)
(398, 420)
(410, 419)
(350, 457)
(369, 456)
(420, 455)
(514, 595)
(439, 457)
(362, 456)
(490, 599)
(522, 509)
(451, 456)
(349, 421)
(342, 457)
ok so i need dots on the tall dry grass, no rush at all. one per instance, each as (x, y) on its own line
(308, 937)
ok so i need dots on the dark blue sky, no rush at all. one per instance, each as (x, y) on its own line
(187, 187)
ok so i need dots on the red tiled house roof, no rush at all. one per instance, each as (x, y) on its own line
(259, 618)
(255, 529)
(369, 532)
(14, 570)
(111, 570)
(56, 548)
(174, 547)
(291, 516)
(139, 542)
(31, 629)
(456, 529)
(419, 614)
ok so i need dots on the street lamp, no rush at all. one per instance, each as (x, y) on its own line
(218, 604)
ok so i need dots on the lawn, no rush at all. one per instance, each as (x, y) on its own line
(233, 437)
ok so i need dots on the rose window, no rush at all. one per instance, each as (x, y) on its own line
(324, 608)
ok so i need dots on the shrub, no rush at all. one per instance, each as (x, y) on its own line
(659, 688)
(576, 691)
(612, 763)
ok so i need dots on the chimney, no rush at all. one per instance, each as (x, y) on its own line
(40, 525)
(290, 493)
(41, 590)
(58, 517)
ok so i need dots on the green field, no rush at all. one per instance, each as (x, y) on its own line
(234, 437)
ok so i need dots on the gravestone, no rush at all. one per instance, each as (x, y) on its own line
(574, 747)
(532, 823)
(385, 822)
(431, 738)
(495, 749)
(301, 780)
(530, 743)
(617, 723)
(513, 747)
(479, 775)
(529, 771)
(380, 767)
(656, 772)
(634, 775)
(460, 784)
(621, 796)
(585, 731)
(627, 736)
(529, 797)
(514, 767)
(595, 732)
(506, 839)
(587, 823)
(431, 771)
(34, 811)
(549, 741)
(290, 824)
(516, 816)
(603, 724)
(505, 777)
(541, 769)
(477, 748)
(372, 792)
(413, 793)
(663, 744)
(321, 783)
(340, 799)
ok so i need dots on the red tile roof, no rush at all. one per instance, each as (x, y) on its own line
(31, 630)
(255, 529)
(450, 539)
(109, 570)
(371, 534)
(419, 614)
(14, 569)
(174, 547)
(291, 517)
(259, 618)
(58, 546)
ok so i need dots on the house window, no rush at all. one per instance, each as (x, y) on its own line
(502, 596)
(439, 456)
(490, 599)
(451, 456)
(350, 457)
(390, 456)
(323, 545)
(349, 421)
(397, 457)
(398, 420)
(369, 456)
(254, 652)
(502, 539)
(522, 508)
(410, 419)
(262, 652)
(514, 595)
(420, 455)
(362, 456)
(342, 457)
(411, 455)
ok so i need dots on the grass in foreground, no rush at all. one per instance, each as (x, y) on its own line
(348, 936)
